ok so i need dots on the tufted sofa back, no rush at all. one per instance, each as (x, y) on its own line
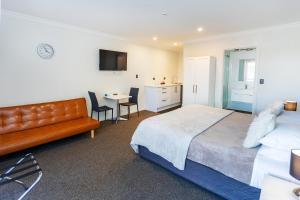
(18, 118)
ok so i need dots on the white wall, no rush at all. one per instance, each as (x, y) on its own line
(26, 78)
(278, 53)
(180, 68)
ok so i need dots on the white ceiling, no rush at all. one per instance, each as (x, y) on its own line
(140, 20)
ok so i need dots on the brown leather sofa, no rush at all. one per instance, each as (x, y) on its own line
(26, 126)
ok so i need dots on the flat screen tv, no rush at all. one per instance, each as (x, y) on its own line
(112, 60)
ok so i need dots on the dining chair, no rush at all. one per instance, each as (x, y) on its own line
(134, 92)
(97, 108)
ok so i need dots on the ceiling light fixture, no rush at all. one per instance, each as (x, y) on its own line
(200, 29)
(154, 38)
(175, 44)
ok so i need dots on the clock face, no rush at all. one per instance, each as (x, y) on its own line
(45, 51)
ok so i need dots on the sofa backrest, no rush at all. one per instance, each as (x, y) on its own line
(18, 118)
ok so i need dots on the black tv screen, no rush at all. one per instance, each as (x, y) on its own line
(112, 60)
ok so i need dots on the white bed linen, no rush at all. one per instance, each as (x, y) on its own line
(169, 135)
(285, 137)
(271, 161)
(289, 117)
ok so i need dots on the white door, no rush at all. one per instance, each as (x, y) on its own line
(201, 73)
(190, 66)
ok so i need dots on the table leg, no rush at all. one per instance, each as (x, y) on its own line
(118, 111)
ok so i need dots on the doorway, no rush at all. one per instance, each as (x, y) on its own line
(239, 79)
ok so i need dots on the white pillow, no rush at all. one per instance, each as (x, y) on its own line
(265, 112)
(261, 126)
(284, 137)
(277, 107)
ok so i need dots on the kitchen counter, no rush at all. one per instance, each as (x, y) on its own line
(165, 85)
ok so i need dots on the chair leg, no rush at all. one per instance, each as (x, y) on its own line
(112, 115)
(98, 116)
(137, 107)
(91, 113)
(128, 112)
(105, 115)
(92, 134)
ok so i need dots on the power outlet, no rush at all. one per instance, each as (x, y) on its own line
(136, 76)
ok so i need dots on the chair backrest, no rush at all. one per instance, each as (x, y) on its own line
(19, 118)
(134, 93)
(94, 100)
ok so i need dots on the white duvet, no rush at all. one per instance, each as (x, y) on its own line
(169, 135)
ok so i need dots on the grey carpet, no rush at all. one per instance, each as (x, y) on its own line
(102, 168)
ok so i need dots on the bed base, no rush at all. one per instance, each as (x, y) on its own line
(206, 178)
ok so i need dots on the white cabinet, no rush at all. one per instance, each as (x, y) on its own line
(199, 80)
(175, 94)
(158, 98)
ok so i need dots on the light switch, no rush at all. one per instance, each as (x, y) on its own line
(261, 81)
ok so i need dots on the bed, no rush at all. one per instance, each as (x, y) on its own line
(211, 160)
(207, 178)
(205, 146)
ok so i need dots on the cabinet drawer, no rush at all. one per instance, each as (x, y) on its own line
(164, 96)
(163, 102)
(164, 90)
(164, 93)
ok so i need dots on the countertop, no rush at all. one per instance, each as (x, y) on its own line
(165, 85)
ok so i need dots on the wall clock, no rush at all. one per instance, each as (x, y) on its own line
(45, 51)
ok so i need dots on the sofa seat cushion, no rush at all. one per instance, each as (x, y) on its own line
(36, 136)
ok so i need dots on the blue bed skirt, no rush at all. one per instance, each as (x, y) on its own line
(207, 178)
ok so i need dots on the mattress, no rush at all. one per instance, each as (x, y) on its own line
(221, 147)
